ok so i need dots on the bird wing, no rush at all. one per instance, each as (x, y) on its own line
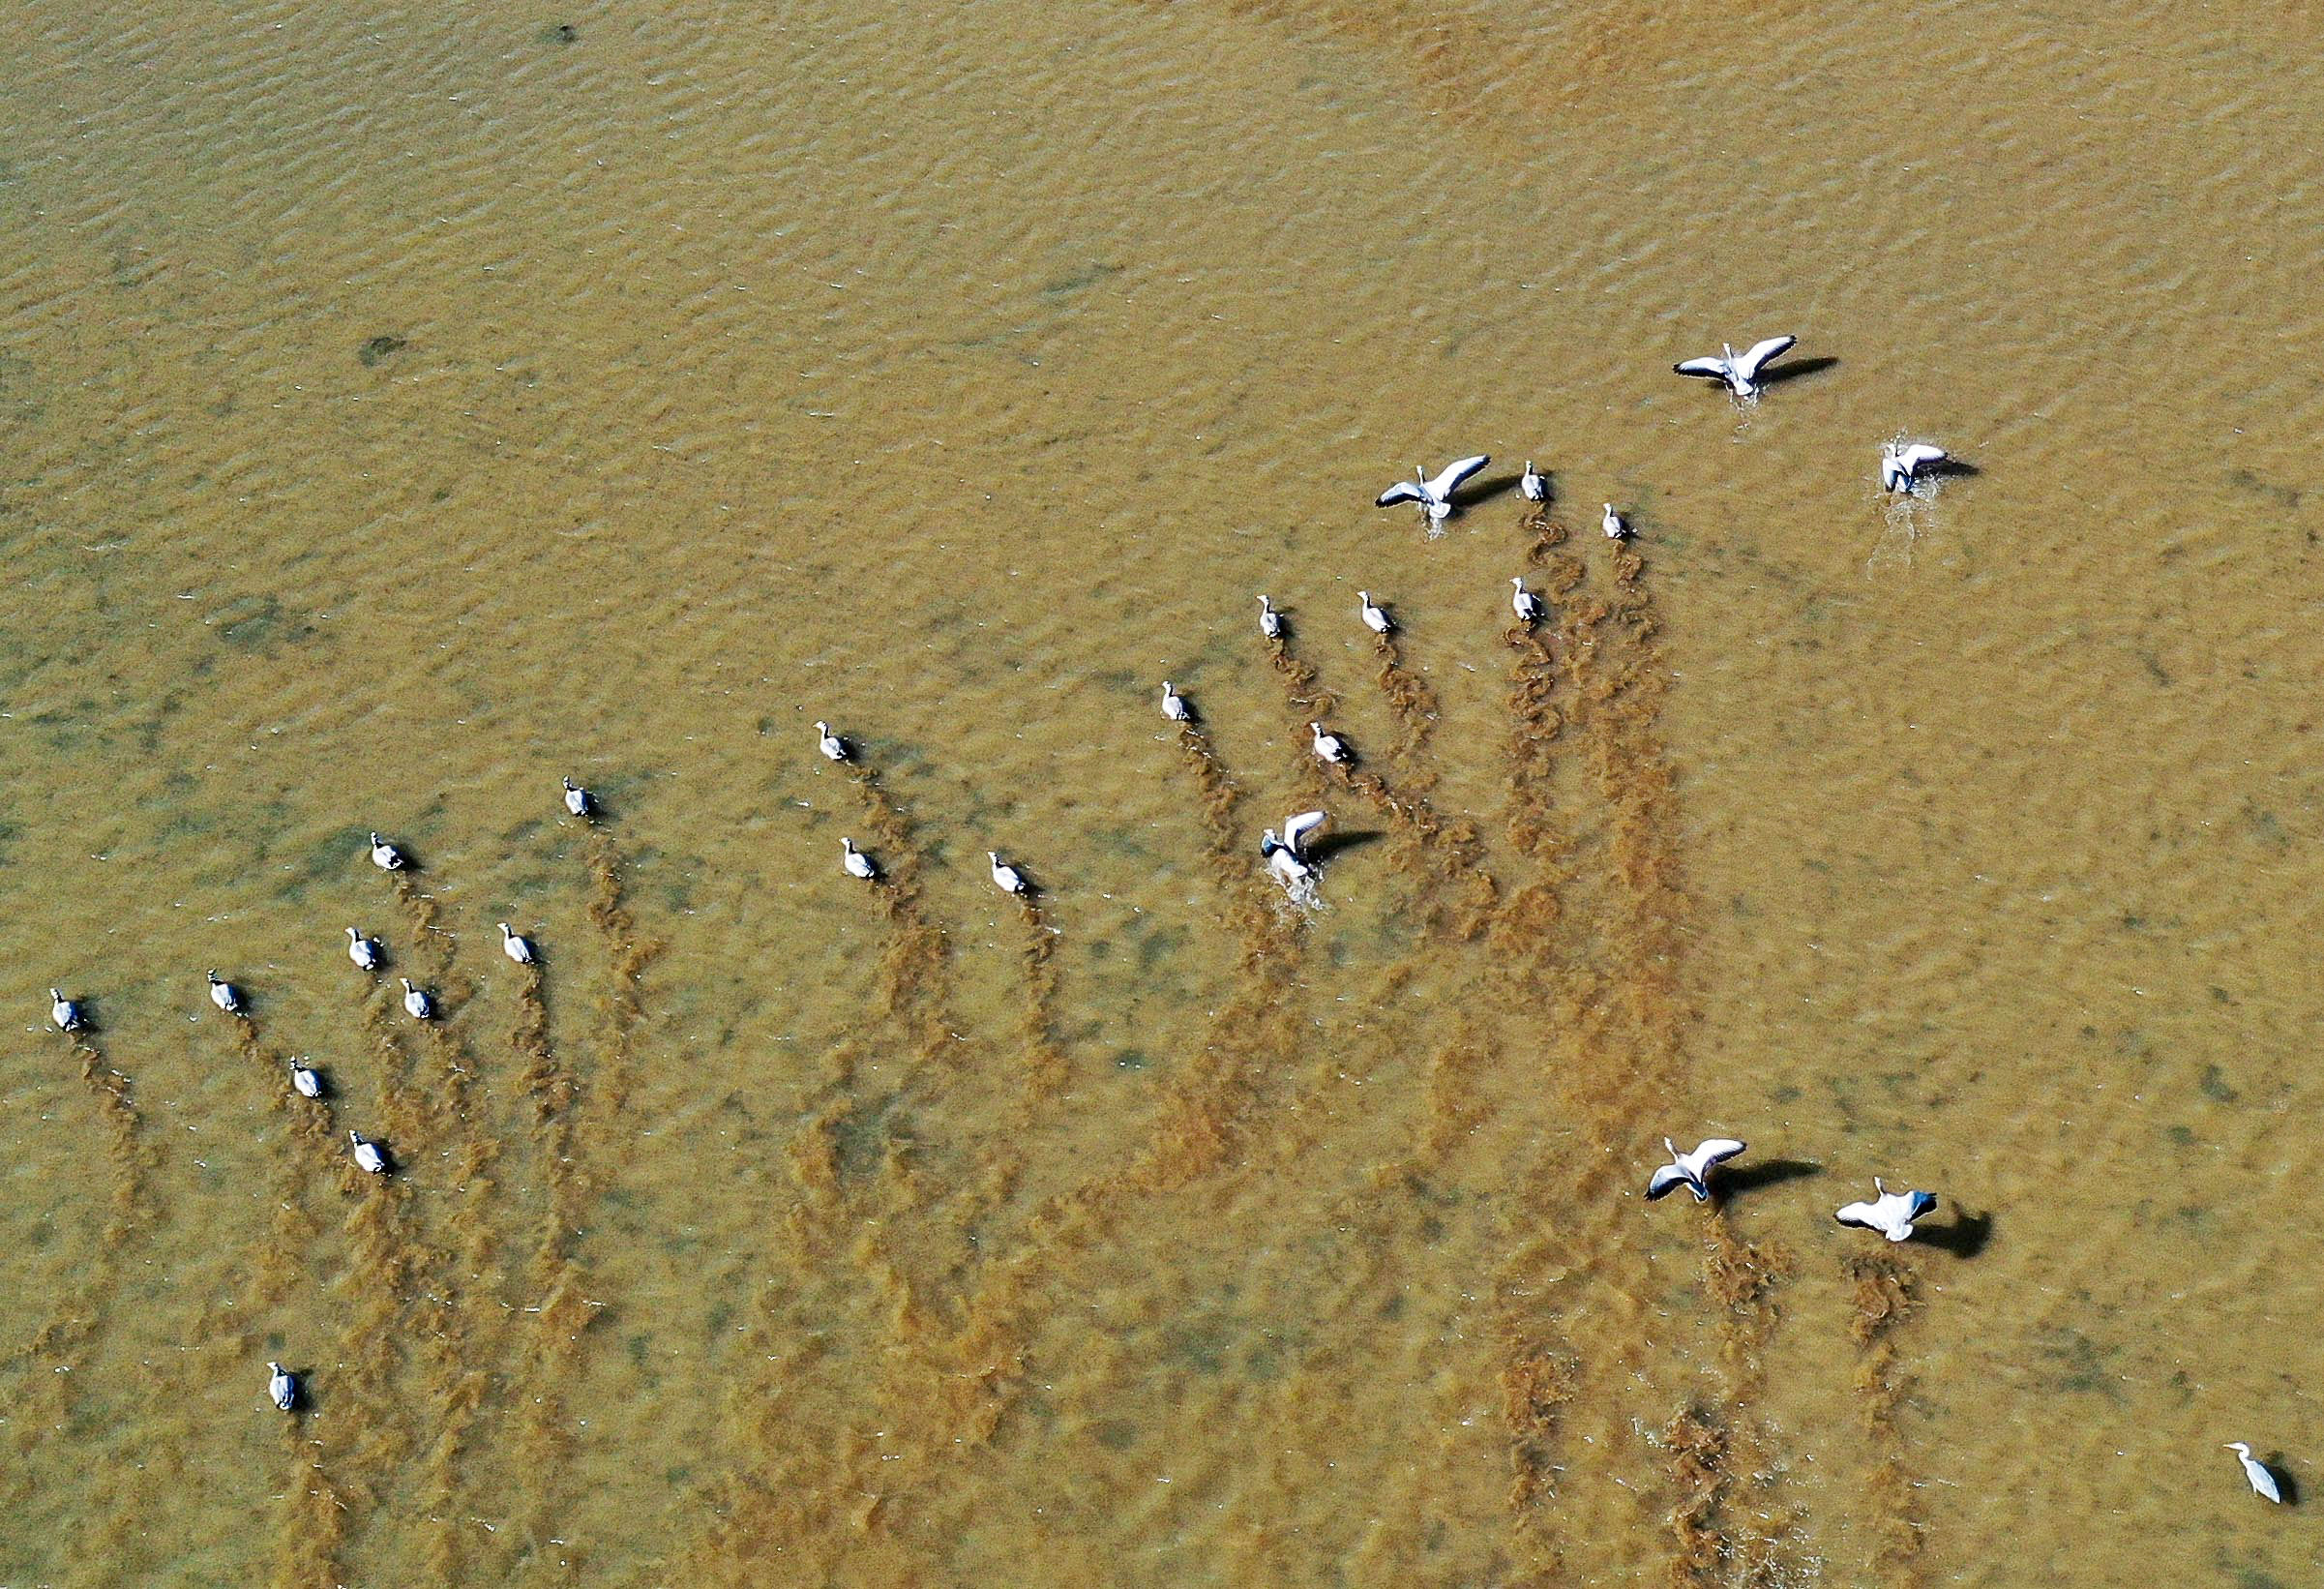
(1716, 1149)
(1297, 828)
(1449, 480)
(1862, 1216)
(1914, 457)
(1403, 490)
(1918, 1205)
(1761, 353)
(1714, 366)
(1665, 1177)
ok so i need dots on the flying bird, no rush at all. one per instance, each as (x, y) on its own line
(1691, 1170)
(1435, 497)
(1329, 747)
(1531, 485)
(1007, 878)
(855, 862)
(282, 1387)
(2263, 1482)
(1375, 616)
(385, 856)
(1270, 621)
(1618, 529)
(223, 994)
(833, 747)
(1891, 1214)
(1900, 466)
(416, 1002)
(1528, 606)
(1740, 371)
(516, 946)
(364, 951)
(579, 800)
(305, 1080)
(369, 1156)
(1287, 857)
(1173, 704)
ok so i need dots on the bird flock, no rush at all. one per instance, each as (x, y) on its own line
(284, 1388)
(1289, 858)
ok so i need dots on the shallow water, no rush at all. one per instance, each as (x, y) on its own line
(403, 414)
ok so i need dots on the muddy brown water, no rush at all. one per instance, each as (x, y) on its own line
(402, 412)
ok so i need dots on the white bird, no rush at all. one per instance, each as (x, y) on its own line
(369, 1156)
(1891, 1214)
(282, 1387)
(1617, 528)
(62, 1011)
(1435, 497)
(1270, 621)
(1740, 371)
(223, 994)
(579, 800)
(416, 1002)
(1007, 878)
(364, 951)
(2263, 1483)
(1691, 1170)
(833, 747)
(1531, 486)
(1900, 466)
(1173, 704)
(385, 856)
(857, 863)
(514, 946)
(305, 1080)
(1328, 747)
(1528, 605)
(1287, 857)
(1375, 617)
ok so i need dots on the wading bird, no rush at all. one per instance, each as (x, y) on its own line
(1691, 1170)
(2263, 1483)
(1007, 878)
(305, 1080)
(1740, 371)
(416, 1002)
(1900, 466)
(1270, 621)
(282, 1387)
(1434, 497)
(369, 1156)
(1287, 857)
(1531, 486)
(223, 994)
(1891, 1214)
(1173, 704)
(856, 864)
(1528, 606)
(1329, 747)
(385, 856)
(833, 747)
(1617, 528)
(364, 951)
(64, 1011)
(579, 800)
(514, 946)
(1375, 616)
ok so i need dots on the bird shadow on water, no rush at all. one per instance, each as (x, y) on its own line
(2285, 1485)
(1736, 1180)
(1323, 848)
(1486, 487)
(1965, 1238)
(1776, 375)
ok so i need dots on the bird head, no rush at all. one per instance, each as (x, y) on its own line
(2238, 1447)
(1878, 1188)
(1671, 1146)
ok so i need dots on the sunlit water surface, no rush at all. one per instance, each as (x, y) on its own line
(401, 412)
